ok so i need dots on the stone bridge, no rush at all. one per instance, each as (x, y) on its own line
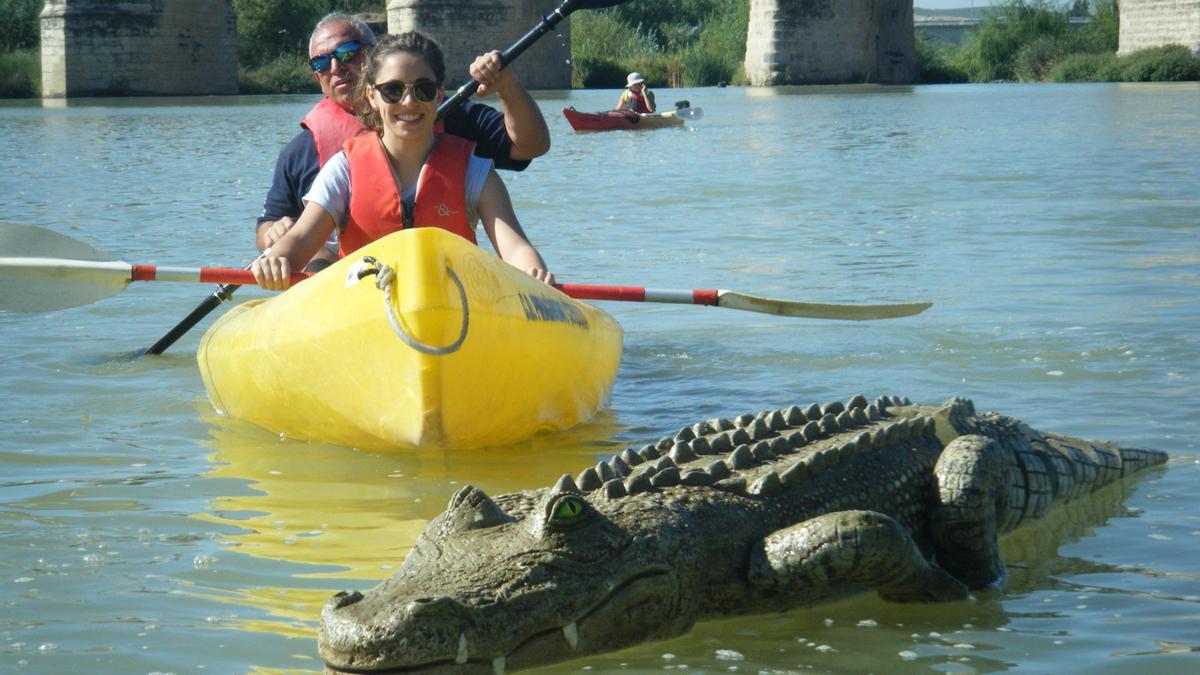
(178, 47)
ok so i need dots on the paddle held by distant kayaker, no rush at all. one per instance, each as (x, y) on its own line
(336, 50)
(636, 97)
(401, 173)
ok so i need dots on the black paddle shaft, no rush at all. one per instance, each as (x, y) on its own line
(223, 293)
(544, 26)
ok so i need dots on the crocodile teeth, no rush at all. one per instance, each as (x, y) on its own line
(571, 633)
(499, 665)
(462, 649)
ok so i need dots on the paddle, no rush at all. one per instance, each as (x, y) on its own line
(42, 284)
(30, 283)
(544, 26)
(744, 301)
(547, 23)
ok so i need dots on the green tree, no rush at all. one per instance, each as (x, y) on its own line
(992, 51)
(268, 29)
(19, 24)
(670, 42)
(935, 60)
(1101, 33)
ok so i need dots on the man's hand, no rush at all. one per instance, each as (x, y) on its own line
(270, 233)
(491, 74)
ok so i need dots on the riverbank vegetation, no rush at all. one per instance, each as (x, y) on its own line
(1043, 41)
(681, 43)
(20, 62)
(272, 41)
(678, 43)
(673, 43)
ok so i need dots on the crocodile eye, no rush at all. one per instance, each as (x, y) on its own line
(568, 510)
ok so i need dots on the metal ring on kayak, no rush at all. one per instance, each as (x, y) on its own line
(384, 279)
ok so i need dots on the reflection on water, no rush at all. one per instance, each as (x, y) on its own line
(345, 514)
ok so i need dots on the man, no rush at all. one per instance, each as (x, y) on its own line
(336, 52)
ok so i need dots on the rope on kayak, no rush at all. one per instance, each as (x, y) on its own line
(385, 278)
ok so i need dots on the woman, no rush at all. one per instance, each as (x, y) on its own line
(405, 174)
(636, 97)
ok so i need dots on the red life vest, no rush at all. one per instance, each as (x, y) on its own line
(331, 127)
(639, 100)
(375, 205)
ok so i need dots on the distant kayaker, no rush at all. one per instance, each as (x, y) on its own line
(405, 174)
(636, 97)
(336, 50)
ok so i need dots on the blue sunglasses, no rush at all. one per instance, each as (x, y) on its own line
(343, 53)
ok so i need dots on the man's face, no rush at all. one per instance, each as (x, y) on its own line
(338, 81)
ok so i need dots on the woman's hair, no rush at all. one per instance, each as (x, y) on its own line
(411, 42)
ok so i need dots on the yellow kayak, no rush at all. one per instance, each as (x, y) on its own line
(459, 350)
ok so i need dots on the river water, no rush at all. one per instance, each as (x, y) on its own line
(1055, 228)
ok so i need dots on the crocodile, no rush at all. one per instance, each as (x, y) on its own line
(765, 512)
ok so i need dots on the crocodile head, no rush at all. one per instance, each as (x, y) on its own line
(531, 578)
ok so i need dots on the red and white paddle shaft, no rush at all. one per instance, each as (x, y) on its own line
(639, 294)
(216, 275)
(42, 284)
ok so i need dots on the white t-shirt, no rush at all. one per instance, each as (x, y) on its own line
(331, 188)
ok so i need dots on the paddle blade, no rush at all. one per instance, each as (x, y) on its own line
(29, 283)
(691, 113)
(45, 284)
(18, 241)
(816, 310)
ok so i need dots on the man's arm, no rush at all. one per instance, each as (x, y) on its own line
(523, 121)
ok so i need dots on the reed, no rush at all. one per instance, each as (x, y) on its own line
(285, 74)
(21, 74)
(1172, 63)
(671, 43)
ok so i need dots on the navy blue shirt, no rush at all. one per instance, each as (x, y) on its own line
(297, 166)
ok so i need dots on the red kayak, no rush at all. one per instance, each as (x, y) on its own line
(618, 119)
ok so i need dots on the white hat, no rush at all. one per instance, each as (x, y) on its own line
(633, 79)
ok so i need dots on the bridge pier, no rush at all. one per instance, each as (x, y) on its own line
(138, 47)
(467, 28)
(1155, 23)
(830, 42)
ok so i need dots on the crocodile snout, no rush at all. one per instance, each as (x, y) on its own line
(360, 633)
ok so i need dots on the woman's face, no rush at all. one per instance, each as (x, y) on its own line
(403, 80)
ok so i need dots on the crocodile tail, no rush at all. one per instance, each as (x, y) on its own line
(1136, 459)
(1049, 468)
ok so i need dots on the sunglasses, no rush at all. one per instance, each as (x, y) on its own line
(394, 91)
(343, 53)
